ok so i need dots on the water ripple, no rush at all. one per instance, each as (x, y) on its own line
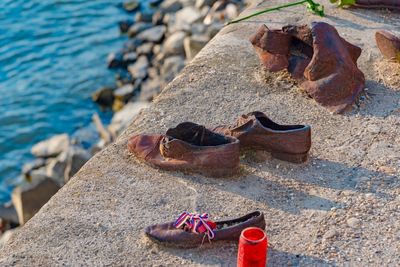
(52, 57)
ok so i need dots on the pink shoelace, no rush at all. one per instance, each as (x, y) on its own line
(196, 223)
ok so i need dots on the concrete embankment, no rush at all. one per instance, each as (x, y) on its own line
(339, 208)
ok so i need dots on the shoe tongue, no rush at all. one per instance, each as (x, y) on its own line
(196, 135)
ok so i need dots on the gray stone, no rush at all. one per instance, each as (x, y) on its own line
(138, 27)
(104, 96)
(51, 147)
(213, 29)
(144, 16)
(201, 3)
(150, 89)
(77, 157)
(173, 45)
(131, 6)
(154, 34)
(125, 92)
(353, 222)
(145, 49)
(129, 58)
(330, 234)
(231, 11)
(122, 118)
(7, 236)
(194, 44)
(139, 69)
(170, 6)
(171, 67)
(33, 165)
(188, 15)
(114, 60)
(157, 18)
(62, 168)
(30, 197)
(198, 29)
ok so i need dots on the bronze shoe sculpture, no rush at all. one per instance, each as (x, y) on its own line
(192, 230)
(325, 63)
(389, 45)
(389, 4)
(256, 131)
(189, 147)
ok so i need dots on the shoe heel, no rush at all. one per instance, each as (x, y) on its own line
(294, 158)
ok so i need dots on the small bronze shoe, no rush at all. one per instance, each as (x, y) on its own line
(256, 131)
(189, 147)
(185, 233)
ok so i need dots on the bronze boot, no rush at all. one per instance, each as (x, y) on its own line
(186, 236)
(256, 131)
(189, 147)
(389, 45)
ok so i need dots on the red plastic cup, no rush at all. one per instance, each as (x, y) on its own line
(253, 246)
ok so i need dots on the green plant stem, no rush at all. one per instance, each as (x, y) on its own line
(267, 10)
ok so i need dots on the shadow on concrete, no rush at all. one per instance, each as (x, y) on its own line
(282, 258)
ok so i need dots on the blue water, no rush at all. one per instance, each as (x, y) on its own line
(52, 57)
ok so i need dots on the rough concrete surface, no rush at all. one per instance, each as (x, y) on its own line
(341, 208)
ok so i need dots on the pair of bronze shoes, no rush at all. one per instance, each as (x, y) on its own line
(190, 147)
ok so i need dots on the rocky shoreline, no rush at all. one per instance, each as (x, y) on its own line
(162, 39)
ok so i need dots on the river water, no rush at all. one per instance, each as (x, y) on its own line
(52, 57)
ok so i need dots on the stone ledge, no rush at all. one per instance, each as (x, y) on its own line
(98, 217)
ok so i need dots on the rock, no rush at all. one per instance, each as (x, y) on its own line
(125, 92)
(157, 49)
(188, 15)
(213, 29)
(131, 6)
(104, 96)
(194, 44)
(157, 18)
(51, 147)
(62, 168)
(145, 49)
(353, 222)
(388, 44)
(31, 166)
(198, 29)
(6, 236)
(114, 60)
(131, 45)
(144, 17)
(138, 27)
(170, 6)
(139, 69)
(330, 234)
(153, 73)
(231, 11)
(77, 157)
(123, 118)
(55, 169)
(173, 45)
(154, 3)
(8, 215)
(150, 89)
(37, 174)
(171, 67)
(154, 34)
(125, 25)
(201, 3)
(30, 197)
(129, 58)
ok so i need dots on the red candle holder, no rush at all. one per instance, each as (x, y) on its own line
(253, 248)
